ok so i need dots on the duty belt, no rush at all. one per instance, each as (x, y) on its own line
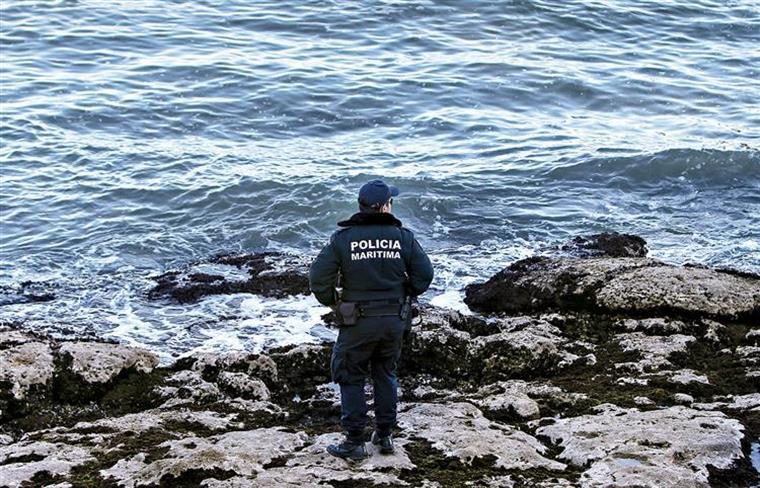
(380, 308)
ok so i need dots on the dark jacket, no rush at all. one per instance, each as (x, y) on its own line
(375, 256)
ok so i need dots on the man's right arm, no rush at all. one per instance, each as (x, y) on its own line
(420, 269)
(323, 274)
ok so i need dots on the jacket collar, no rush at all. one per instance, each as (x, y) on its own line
(363, 218)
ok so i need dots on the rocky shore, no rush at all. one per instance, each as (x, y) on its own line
(594, 367)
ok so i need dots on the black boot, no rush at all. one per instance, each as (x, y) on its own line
(351, 448)
(385, 444)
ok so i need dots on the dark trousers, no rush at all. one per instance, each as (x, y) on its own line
(371, 347)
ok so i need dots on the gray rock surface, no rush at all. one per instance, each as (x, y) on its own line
(98, 362)
(243, 452)
(686, 376)
(26, 366)
(672, 447)
(483, 398)
(459, 430)
(312, 466)
(619, 285)
(47, 457)
(654, 350)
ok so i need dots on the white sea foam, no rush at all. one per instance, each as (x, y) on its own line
(229, 272)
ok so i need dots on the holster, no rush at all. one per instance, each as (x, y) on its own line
(346, 313)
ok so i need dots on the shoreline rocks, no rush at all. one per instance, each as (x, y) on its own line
(271, 274)
(577, 387)
(632, 286)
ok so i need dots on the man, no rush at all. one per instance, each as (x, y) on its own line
(380, 263)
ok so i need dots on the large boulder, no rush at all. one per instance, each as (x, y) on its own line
(619, 285)
(102, 362)
(610, 244)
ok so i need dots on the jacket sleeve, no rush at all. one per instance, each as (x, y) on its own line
(323, 274)
(420, 270)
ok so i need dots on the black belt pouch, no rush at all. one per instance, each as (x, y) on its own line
(348, 313)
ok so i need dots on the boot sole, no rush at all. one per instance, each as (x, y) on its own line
(384, 450)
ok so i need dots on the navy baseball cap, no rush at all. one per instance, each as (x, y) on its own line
(375, 193)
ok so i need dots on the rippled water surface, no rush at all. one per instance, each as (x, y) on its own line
(138, 136)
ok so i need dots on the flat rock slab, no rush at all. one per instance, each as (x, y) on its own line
(699, 291)
(639, 285)
(653, 350)
(459, 430)
(102, 430)
(48, 457)
(100, 362)
(270, 274)
(313, 466)
(671, 447)
(243, 452)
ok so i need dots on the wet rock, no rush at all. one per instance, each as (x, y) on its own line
(270, 274)
(20, 462)
(643, 401)
(242, 385)
(301, 367)
(210, 365)
(24, 367)
(26, 292)
(238, 452)
(439, 351)
(518, 399)
(627, 380)
(655, 326)
(494, 482)
(671, 447)
(460, 431)
(434, 318)
(507, 399)
(542, 283)
(686, 376)
(107, 431)
(749, 357)
(100, 362)
(696, 291)
(620, 285)
(610, 244)
(739, 402)
(654, 350)
(714, 331)
(187, 387)
(753, 337)
(525, 345)
(683, 398)
(313, 466)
